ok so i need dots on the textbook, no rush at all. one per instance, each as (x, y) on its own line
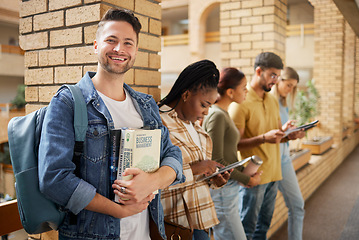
(115, 137)
(139, 148)
(303, 127)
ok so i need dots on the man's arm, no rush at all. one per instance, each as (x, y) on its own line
(238, 114)
(143, 184)
(103, 205)
(272, 136)
(294, 135)
(138, 192)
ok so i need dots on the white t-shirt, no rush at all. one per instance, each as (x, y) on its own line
(194, 134)
(124, 114)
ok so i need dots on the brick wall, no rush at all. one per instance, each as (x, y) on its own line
(58, 35)
(249, 27)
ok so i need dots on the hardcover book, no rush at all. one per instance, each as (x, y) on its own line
(115, 137)
(139, 148)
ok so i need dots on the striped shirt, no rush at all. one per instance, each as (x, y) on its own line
(196, 195)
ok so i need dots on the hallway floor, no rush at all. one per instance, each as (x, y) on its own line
(332, 212)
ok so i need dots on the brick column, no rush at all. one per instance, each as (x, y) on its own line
(58, 35)
(356, 70)
(329, 26)
(348, 77)
(249, 27)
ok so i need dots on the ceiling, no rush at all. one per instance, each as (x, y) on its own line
(350, 11)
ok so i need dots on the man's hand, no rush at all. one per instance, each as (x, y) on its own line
(295, 135)
(130, 209)
(135, 194)
(125, 199)
(206, 167)
(141, 186)
(273, 136)
(104, 205)
(288, 125)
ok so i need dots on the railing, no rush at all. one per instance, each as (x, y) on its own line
(183, 39)
(9, 217)
(301, 29)
(11, 49)
(179, 39)
(212, 37)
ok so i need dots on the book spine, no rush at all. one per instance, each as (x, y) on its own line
(120, 159)
(126, 154)
(115, 136)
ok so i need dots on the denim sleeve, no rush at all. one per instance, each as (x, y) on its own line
(56, 169)
(81, 197)
(171, 156)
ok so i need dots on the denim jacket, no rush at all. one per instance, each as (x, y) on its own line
(56, 169)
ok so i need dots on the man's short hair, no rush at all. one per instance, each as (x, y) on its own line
(268, 60)
(116, 14)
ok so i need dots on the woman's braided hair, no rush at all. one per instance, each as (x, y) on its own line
(199, 75)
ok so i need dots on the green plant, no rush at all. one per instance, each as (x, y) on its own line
(306, 104)
(19, 100)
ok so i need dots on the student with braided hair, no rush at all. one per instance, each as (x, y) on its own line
(194, 91)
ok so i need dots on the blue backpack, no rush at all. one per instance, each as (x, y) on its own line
(37, 213)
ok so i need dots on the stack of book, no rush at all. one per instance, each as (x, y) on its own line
(133, 148)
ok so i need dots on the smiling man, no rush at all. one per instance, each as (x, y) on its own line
(258, 122)
(110, 104)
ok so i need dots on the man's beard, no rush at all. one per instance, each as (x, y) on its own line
(266, 89)
(263, 83)
(113, 68)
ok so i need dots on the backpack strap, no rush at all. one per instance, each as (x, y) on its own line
(80, 126)
(80, 113)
